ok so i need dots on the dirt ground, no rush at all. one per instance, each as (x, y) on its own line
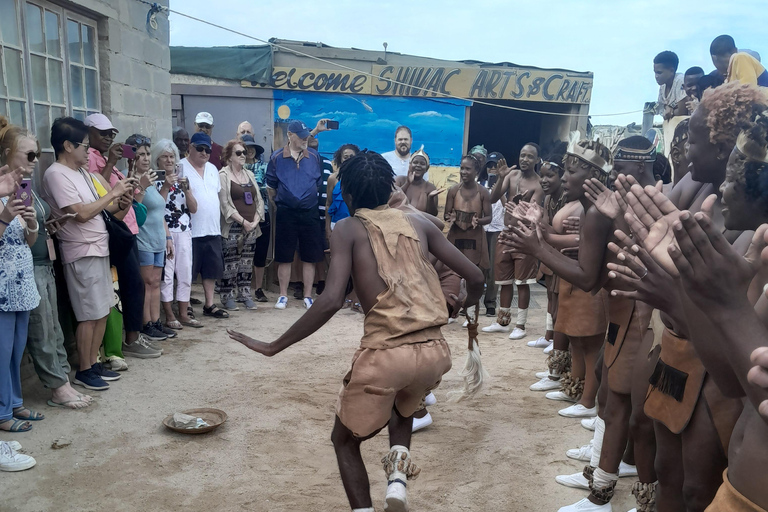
(499, 452)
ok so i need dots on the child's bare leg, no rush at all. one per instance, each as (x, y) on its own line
(400, 430)
(506, 295)
(641, 426)
(351, 466)
(523, 300)
(668, 464)
(591, 347)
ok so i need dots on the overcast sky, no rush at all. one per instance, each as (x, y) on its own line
(616, 40)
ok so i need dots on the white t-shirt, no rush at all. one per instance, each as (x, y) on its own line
(497, 218)
(206, 221)
(399, 165)
(672, 96)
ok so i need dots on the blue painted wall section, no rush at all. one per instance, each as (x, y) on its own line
(370, 121)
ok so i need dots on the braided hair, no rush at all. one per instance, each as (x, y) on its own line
(755, 174)
(368, 179)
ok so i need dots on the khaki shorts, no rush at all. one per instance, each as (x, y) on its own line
(381, 380)
(514, 267)
(89, 284)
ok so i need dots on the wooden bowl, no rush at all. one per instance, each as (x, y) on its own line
(214, 418)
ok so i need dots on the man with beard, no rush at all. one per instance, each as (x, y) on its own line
(514, 268)
(400, 158)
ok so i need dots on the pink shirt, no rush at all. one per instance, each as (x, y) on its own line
(64, 187)
(96, 163)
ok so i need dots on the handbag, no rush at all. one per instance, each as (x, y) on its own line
(120, 237)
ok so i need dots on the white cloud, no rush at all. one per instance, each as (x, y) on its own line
(432, 113)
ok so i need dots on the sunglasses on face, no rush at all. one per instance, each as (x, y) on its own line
(76, 144)
(201, 148)
(107, 133)
(205, 126)
(32, 155)
(239, 153)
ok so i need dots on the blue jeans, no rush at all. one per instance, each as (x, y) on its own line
(13, 339)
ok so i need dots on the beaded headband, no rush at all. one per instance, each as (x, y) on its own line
(589, 156)
(635, 155)
(421, 153)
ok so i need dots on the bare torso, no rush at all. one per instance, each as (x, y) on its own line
(417, 192)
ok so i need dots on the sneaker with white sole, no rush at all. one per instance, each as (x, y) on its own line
(396, 499)
(576, 480)
(15, 445)
(420, 423)
(495, 327)
(539, 343)
(141, 349)
(541, 375)
(589, 423)
(578, 411)
(10, 460)
(465, 324)
(583, 453)
(116, 363)
(517, 334)
(626, 470)
(451, 320)
(430, 399)
(549, 348)
(545, 384)
(586, 506)
(308, 302)
(559, 395)
(282, 301)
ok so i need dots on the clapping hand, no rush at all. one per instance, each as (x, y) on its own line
(571, 225)
(758, 375)
(437, 192)
(607, 202)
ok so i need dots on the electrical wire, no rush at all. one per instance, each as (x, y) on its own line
(392, 81)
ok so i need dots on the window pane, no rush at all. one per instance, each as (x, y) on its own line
(76, 83)
(91, 89)
(13, 75)
(9, 30)
(55, 86)
(35, 28)
(57, 112)
(89, 46)
(79, 114)
(43, 125)
(3, 88)
(73, 40)
(17, 114)
(3, 109)
(52, 39)
(39, 83)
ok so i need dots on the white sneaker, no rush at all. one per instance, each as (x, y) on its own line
(583, 453)
(282, 301)
(576, 480)
(549, 348)
(308, 302)
(15, 445)
(396, 499)
(545, 384)
(465, 324)
(539, 343)
(541, 375)
(559, 395)
(451, 320)
(589, 423)
(586, 506)
(10, 460)
(517, 334)
(420, 423)
(495, 327)
(627, 470)
(430, 399)
(578, 411)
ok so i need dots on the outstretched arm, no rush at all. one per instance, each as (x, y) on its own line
(327, 303)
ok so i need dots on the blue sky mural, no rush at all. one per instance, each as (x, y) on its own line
(370, 121)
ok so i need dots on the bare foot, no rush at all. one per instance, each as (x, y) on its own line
(66, 396)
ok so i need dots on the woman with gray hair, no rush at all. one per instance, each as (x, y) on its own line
(179, 204)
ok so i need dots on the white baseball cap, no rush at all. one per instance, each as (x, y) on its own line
(100, 122)
(204, 117)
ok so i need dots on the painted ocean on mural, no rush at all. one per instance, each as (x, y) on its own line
(370, 121)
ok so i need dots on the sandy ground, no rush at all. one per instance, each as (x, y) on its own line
(499, 452)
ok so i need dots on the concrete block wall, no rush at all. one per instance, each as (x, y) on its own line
(135, 67)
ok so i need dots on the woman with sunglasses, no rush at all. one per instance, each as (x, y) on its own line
(20, 149)
(154, 239)
(242, 209)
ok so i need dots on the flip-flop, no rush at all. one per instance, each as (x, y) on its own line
(215, 311)
(65, 406)
(174, 324)
(16, 427)
(193, 323)
(33, 415)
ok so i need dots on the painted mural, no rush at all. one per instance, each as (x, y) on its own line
(370, 121)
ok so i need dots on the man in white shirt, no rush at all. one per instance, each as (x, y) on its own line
(206, 221)
(670, 82)
(400, 158)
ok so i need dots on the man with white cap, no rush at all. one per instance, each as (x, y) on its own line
(204, 124)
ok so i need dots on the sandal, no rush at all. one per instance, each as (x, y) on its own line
(195, 301)
(357, 307)
(17, 426)
(193, 323)
(174, 324)
(190, 312)
(347, 304)
(33, 415)
(215, 312)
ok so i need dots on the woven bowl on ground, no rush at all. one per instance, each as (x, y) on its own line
(214, 418)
